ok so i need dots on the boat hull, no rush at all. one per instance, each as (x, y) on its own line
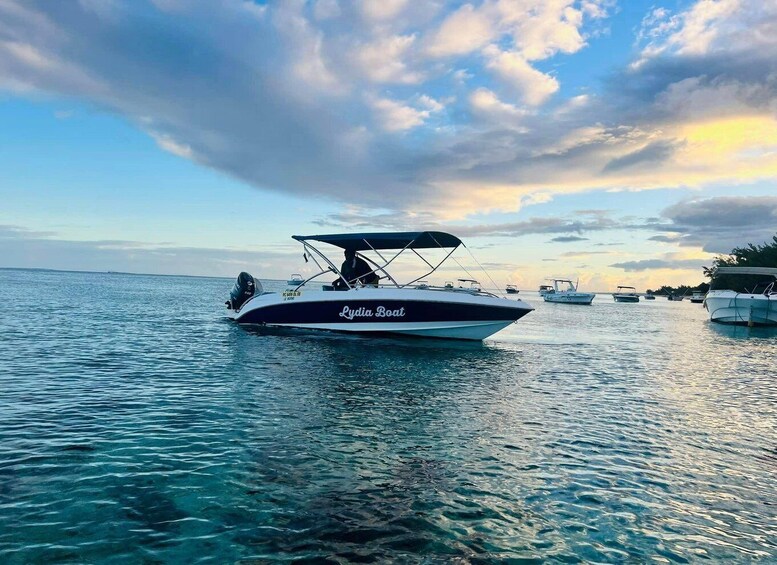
(569, 297)
(730, 307)
(424, 313)
(625, 298)
(476, 331)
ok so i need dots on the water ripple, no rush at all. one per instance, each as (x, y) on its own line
(136, 424)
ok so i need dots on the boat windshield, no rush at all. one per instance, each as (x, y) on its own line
(747, 284)
(748, 280)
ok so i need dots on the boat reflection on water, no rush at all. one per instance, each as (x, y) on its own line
(338, 340)
(254, 445)
(743, 332)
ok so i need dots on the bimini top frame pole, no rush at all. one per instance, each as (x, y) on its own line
(434, 267)
(556, 283)
(332, 268)
(377, 241)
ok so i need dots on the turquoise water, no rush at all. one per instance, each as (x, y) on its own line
(138, 424)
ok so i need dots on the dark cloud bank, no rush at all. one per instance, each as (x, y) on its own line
(267, 95)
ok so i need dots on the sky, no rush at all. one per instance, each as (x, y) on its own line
(610, 141)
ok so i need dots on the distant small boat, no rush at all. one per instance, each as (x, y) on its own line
(625, 294)
(650, 296)
(697, 297)
(473, 284)
(448, 285)
(568, 295)
(295, 280)
(675, 297)
(544, 289)
(511, 289)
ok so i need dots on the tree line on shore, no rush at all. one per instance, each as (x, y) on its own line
(751, 255)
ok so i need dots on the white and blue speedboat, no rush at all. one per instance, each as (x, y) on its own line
(387, 306)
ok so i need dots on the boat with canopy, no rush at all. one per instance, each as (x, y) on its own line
(743, 295)
(625, 294)
(377, 301)
(564, 291)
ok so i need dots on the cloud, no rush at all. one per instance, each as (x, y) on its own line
(533, 86)
(650, 155)
(395, 116)
(11, 232)
(379, 10)
(486, 105)
(170, 145)
(568, 239)
(541, 225)
(707, 26)
(665, 238)
(359, 218)
(550, 27)
(715, 225)
(24, 248)
(726, 212)
(462, 32)
(572, 254)
(326, 9)
(651, 264)
(382, 60)
(323, 99)
(719, 224)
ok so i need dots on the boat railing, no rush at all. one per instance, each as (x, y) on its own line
(434, 288)
(769, 290)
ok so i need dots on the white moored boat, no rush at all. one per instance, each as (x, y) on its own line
(754, 307)
(385, 305)
(568, 295)
(295, 280)
(625, 294)
(544, 289)
(697, 297)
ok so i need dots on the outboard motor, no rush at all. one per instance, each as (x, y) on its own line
(245, 288)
